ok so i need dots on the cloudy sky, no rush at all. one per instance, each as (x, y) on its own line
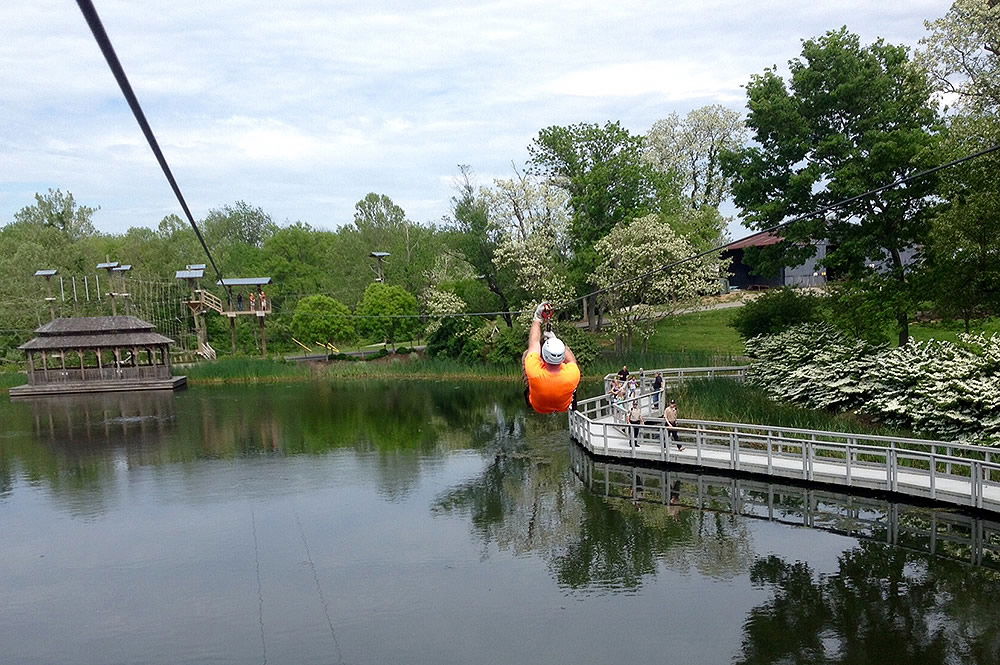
(302, 107)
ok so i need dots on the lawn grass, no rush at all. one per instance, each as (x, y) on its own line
(707, 332)
(951, 330)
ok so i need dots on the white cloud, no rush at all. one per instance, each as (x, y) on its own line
(672, 80)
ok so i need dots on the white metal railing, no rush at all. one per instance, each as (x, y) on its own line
(645, 378)
(938, 470)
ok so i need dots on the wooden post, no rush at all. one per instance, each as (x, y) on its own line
(263, 337)
(232, 332)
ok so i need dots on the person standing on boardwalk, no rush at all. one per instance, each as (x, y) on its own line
(239, 302)
(253, 302)
(657, 389)
(670, 416)
(550, 368)
(635, 420)
(263, 301)
(623, 373)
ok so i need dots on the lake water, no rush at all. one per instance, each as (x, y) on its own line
(433, 522)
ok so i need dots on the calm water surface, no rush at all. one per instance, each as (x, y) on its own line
(440, 523)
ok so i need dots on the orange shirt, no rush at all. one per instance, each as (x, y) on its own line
(550, 390)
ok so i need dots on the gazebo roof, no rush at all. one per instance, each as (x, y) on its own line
(88, 332)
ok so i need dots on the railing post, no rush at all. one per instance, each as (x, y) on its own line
(933, 476)
(734, 461)
(770, 456)
(605, 426)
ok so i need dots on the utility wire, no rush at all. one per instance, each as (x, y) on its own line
(96, 27)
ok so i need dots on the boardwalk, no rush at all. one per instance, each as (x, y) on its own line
(950, 473)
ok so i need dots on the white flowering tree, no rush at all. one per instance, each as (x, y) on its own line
(638, 291)
(531, 219)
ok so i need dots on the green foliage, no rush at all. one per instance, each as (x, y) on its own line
(850, 119)
(939, 388)
(859, 308)
(385, 308)
(963, 255)
(775, 311)
(322, 319)
(59, 211)
(583, 343)
(608, 182)
(451, 337)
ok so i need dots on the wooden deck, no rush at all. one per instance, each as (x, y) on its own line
(939, 471)
(73, 387)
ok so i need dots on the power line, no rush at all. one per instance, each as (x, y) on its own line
(97, 28)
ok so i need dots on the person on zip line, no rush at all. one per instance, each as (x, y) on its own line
(550, 369)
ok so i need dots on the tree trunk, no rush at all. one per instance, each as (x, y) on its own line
(591, 309)
(902, 316)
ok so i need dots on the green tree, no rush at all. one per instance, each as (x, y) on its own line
(962, 253)
(61, 212)
(320, 318)
(776, 311)
(852, 118)
(608, 183)
(475, 237)
(389, 313)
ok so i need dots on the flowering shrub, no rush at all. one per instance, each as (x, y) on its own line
(939, 388)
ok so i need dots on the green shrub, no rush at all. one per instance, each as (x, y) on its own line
(776, 311)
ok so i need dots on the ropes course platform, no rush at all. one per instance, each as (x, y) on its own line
(939, 471)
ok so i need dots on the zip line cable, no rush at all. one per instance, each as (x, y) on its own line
(97, 28)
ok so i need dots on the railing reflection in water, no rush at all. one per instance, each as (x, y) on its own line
(940, 533)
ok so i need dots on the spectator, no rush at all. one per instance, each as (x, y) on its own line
(239, 302)
(623, 373)
(657, 389)
(635, 420)
(253, 302)
(670, 416)
(263, 301)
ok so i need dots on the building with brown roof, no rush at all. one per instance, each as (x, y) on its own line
(97, 354)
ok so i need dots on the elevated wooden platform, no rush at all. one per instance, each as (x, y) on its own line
(73, 387)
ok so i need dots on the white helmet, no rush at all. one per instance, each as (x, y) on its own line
(553, 351)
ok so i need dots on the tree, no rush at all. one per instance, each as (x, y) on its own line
(636, 298)
(239, 223)
(962, 252)
(389, 312)
(692, 147)
(320, 318)
(851, 119)
(475, 236)
(59, 211)
(962, 53)
(608, 183)
(776, 311)
(531, 220)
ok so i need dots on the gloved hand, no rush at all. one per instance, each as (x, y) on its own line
(548, 334)
(538, 312)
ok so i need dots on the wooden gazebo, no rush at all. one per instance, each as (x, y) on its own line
(97, 354)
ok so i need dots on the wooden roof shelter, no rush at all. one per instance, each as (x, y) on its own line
(97, 354)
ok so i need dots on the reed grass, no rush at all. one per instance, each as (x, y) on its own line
(734, 401)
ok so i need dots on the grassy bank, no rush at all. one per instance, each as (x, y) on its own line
(733, 401)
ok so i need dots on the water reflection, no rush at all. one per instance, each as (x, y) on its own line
(412, 512)
(897, 596)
